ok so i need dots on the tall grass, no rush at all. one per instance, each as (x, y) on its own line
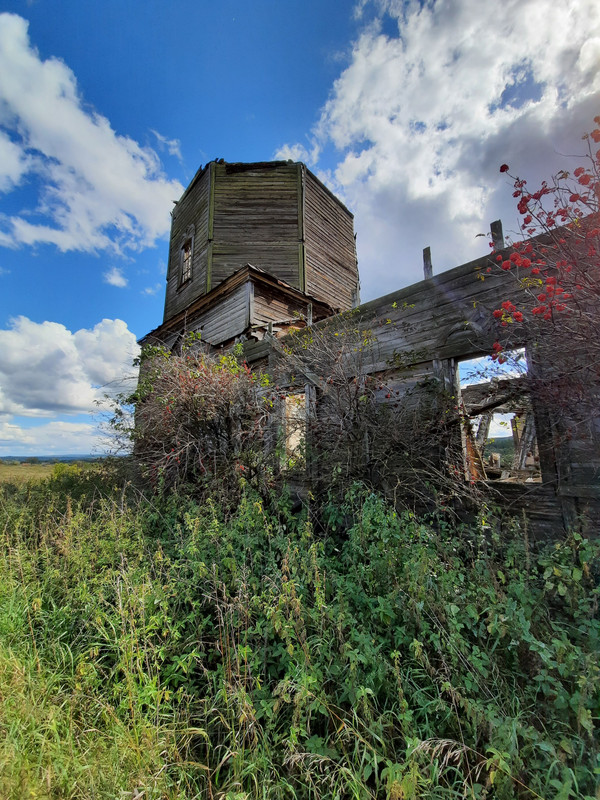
(154, 649)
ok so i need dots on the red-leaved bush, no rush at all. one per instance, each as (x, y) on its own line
(553, 283)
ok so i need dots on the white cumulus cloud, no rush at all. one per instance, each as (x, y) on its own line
(297, 152)
(422, 118)
(51, 438)
(114, 276)
(172, 146)
(98, 189)
(149, 291)
(46, 370)
(14, 163)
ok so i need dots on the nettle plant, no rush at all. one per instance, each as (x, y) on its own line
(553, 279)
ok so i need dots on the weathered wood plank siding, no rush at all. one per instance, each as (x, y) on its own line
(580, 459)
(221, 323)
(192, 209)
(331, 265)
(256, 220)
(537, 503)
(273, 306)
(275, 215)
(448, 316)
(422, 332)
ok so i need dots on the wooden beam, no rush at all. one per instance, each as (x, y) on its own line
(249, 303)
(427, 265)
(211, 225)
(497, 234)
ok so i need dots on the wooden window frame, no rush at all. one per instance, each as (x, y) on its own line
(295, 429)
(186, 257)
(525, 436)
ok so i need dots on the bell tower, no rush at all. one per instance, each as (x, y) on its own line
(276, 221)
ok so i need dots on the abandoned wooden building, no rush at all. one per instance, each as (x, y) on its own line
(256, 245)
(261, 250)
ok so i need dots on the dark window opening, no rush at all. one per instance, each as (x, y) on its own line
(186, 262)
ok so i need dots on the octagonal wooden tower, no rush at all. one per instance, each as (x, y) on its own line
(276, 216)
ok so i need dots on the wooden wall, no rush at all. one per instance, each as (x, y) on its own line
(275, 215)
(449, 318)
(330, 248)
(256, 220)
(247, 300)
(220, 323)
(271, 306)
(419, 334)
(192, 209)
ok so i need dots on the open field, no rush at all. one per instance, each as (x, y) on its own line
(23, 473)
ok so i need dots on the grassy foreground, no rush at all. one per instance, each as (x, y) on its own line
(157, 650)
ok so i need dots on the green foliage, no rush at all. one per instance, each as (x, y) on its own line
(504, 445)
(160, 650)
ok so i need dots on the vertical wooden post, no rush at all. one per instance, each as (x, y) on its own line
(309, 314)
(301, 242)
(211, 224)
(497, 234)
(483, 430)
(311, 418)
(427, 265)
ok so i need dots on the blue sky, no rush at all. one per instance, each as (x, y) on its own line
(108, 108)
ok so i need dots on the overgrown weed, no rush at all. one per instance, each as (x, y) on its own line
(159, 649)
